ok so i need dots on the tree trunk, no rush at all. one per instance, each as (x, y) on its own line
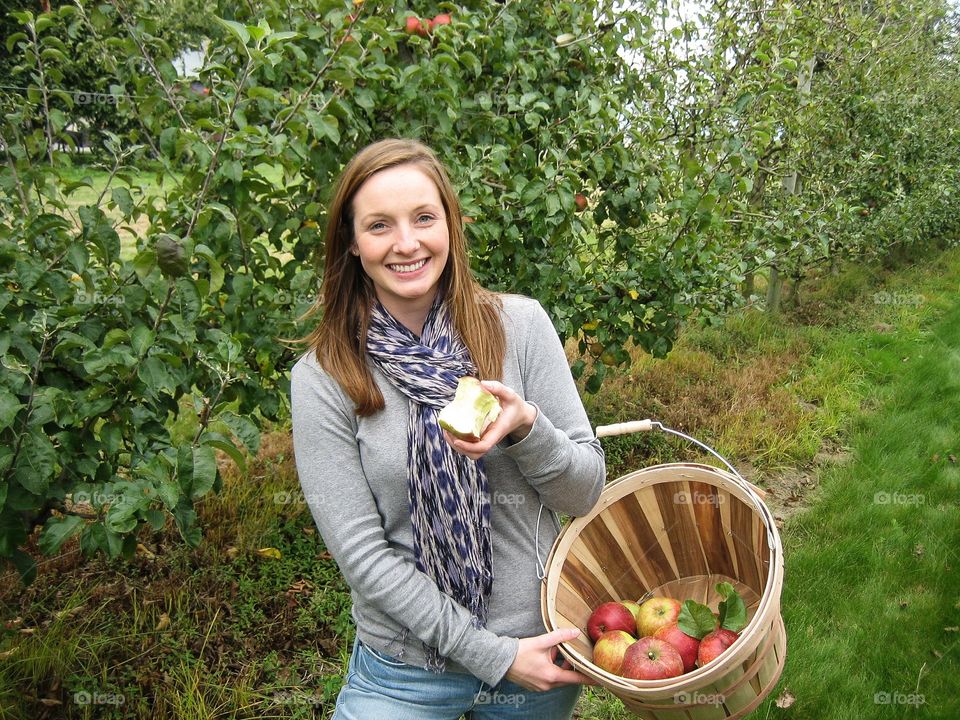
(774, 288)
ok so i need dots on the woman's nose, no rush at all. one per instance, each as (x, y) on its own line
(406, 240)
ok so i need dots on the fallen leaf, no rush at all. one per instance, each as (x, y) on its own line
(937, 654)
(919, 550)
(952, 458)
(324, 555)
(269, 552)
(142, 550)
(785, 700)
(232, 552)
(952, 628)
(7, 653)
(935, 458)
(164, 622)
(309, 531)
(49, 702)
(904, 604)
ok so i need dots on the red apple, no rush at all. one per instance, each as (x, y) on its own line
(610, 616)
(441, 19)
(687, 646)
(415, 25)
(714, 644)
(609, 649)
(655, 613)
(650, 658)
(580, 200)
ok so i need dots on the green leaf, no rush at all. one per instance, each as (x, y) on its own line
(57, 531)
(9, 407)
(238, 30)
(156, 518)
(733, 613)
(36, 462)
(204, 471)
(121, 196)
(696, 619)
(244, 428)
(186, 519)
(154, 374)
(141, 339)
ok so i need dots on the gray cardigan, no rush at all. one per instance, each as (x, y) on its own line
(354, 477)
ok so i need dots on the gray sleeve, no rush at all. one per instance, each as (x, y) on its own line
(344, 508)
(561, 457)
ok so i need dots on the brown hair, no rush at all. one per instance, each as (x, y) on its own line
(347, 293)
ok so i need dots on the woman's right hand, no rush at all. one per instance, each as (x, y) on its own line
(534, 666)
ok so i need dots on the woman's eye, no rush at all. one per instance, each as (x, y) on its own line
(425, 218)
(377, 226)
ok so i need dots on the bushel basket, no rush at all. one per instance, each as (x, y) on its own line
(675, 530)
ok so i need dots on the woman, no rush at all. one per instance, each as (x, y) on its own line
(439, 539)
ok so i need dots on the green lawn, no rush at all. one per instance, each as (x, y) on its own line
(845, 409)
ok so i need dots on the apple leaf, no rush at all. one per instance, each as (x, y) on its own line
(733, 613)
(696, 619)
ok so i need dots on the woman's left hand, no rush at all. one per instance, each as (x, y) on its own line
(516, 420)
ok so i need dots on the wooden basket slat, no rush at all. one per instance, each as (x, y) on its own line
(653, 544)
(709, 520)
(622, 532)
(742, 533)
(679, 523)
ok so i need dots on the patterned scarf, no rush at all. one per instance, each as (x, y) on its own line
(448, 492)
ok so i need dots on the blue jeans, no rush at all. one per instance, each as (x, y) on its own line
(379, 687)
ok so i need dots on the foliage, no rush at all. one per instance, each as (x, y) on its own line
(142, 331)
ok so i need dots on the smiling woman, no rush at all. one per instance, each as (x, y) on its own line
(443, 568)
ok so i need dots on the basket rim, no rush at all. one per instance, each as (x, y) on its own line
(750, 635)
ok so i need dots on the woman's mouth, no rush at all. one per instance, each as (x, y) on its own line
(408, 267)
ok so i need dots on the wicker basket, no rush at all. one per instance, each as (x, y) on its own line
(675, 530)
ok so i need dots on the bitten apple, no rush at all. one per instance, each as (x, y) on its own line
(714, 644)
(609, 649)
(610, 616)
(687, 646)
(650, 658)
(655, 613)
(472, 410)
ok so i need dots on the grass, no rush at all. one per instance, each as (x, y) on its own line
(865, 367)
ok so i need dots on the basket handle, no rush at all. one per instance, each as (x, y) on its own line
(624, 428)
(648, 425)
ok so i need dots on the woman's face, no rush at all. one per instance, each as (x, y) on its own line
(401, 238)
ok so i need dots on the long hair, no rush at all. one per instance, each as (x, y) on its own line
(347, 293)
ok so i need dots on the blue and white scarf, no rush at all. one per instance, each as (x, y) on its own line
(448, 492)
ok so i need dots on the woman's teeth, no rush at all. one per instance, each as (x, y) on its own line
(413, 267)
